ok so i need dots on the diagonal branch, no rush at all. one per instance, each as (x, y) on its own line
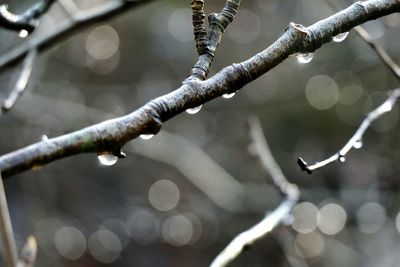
(21, 83)
(80, 20)
(383, 55)
(27, 21)
(111, 135)
(272, 219)
(356, 140)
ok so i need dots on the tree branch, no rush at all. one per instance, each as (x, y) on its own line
(271, 220)
(111, 135)
(356, 140)
(21, 83)
(383, 55)
(80, 20)
(27, 21)
(7, 233)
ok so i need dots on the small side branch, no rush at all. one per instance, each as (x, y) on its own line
(356, 140)
(383, 55)
(7, 234)
(271, 220)
(26, 21)
(21, 83)
(207, 42)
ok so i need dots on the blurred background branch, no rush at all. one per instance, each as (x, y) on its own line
(272, 219)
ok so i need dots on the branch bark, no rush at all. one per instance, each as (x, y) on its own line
(110, 136)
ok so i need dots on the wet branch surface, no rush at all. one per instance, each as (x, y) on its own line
(112, 135)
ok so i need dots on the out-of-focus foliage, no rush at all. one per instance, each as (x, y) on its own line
(160, 206)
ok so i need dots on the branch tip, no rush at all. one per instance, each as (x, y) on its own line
(303, 165)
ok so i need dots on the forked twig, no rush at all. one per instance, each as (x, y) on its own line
(383, 55)
(272, 219)
(21, 83)
(356, 140)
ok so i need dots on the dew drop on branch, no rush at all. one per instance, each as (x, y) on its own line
(107, 159)
(44, 138)
(305, 57)
(146, 136)
(358, 144)
(342, 159)
(23, 34)
(227, 96)
(194, 110)
(340, 37)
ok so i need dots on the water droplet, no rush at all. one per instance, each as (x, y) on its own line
(342, 159)
(146, 136)
(386, 107)
(107, 159)
(194, 110)
(23, 34)
(227, 96)
(358, 144)
(44, 138)
(305, 57)
(340, 37)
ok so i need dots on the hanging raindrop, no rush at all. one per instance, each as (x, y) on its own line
(146, 136)
(358, 144)
(342, 159)
(305, 57)
(194, 110)
(107, 159)
(227, 96)
(340, 37)
(44, 138)
(23, 34)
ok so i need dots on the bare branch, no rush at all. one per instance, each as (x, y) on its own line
(110, 136)
(356, 140)
(27, 21)
(208, 42)
(7, 234)
(271, 220)
(383, 55)
(80, 20)
(21, 83)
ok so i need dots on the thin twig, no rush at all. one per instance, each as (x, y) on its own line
(79, 21)
(21, 83)
(383, 55)
(7, 234)
(271, 220)
(207, 42)
(26, 21)
(356, 140)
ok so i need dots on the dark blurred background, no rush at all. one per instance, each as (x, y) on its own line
(180, 197)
